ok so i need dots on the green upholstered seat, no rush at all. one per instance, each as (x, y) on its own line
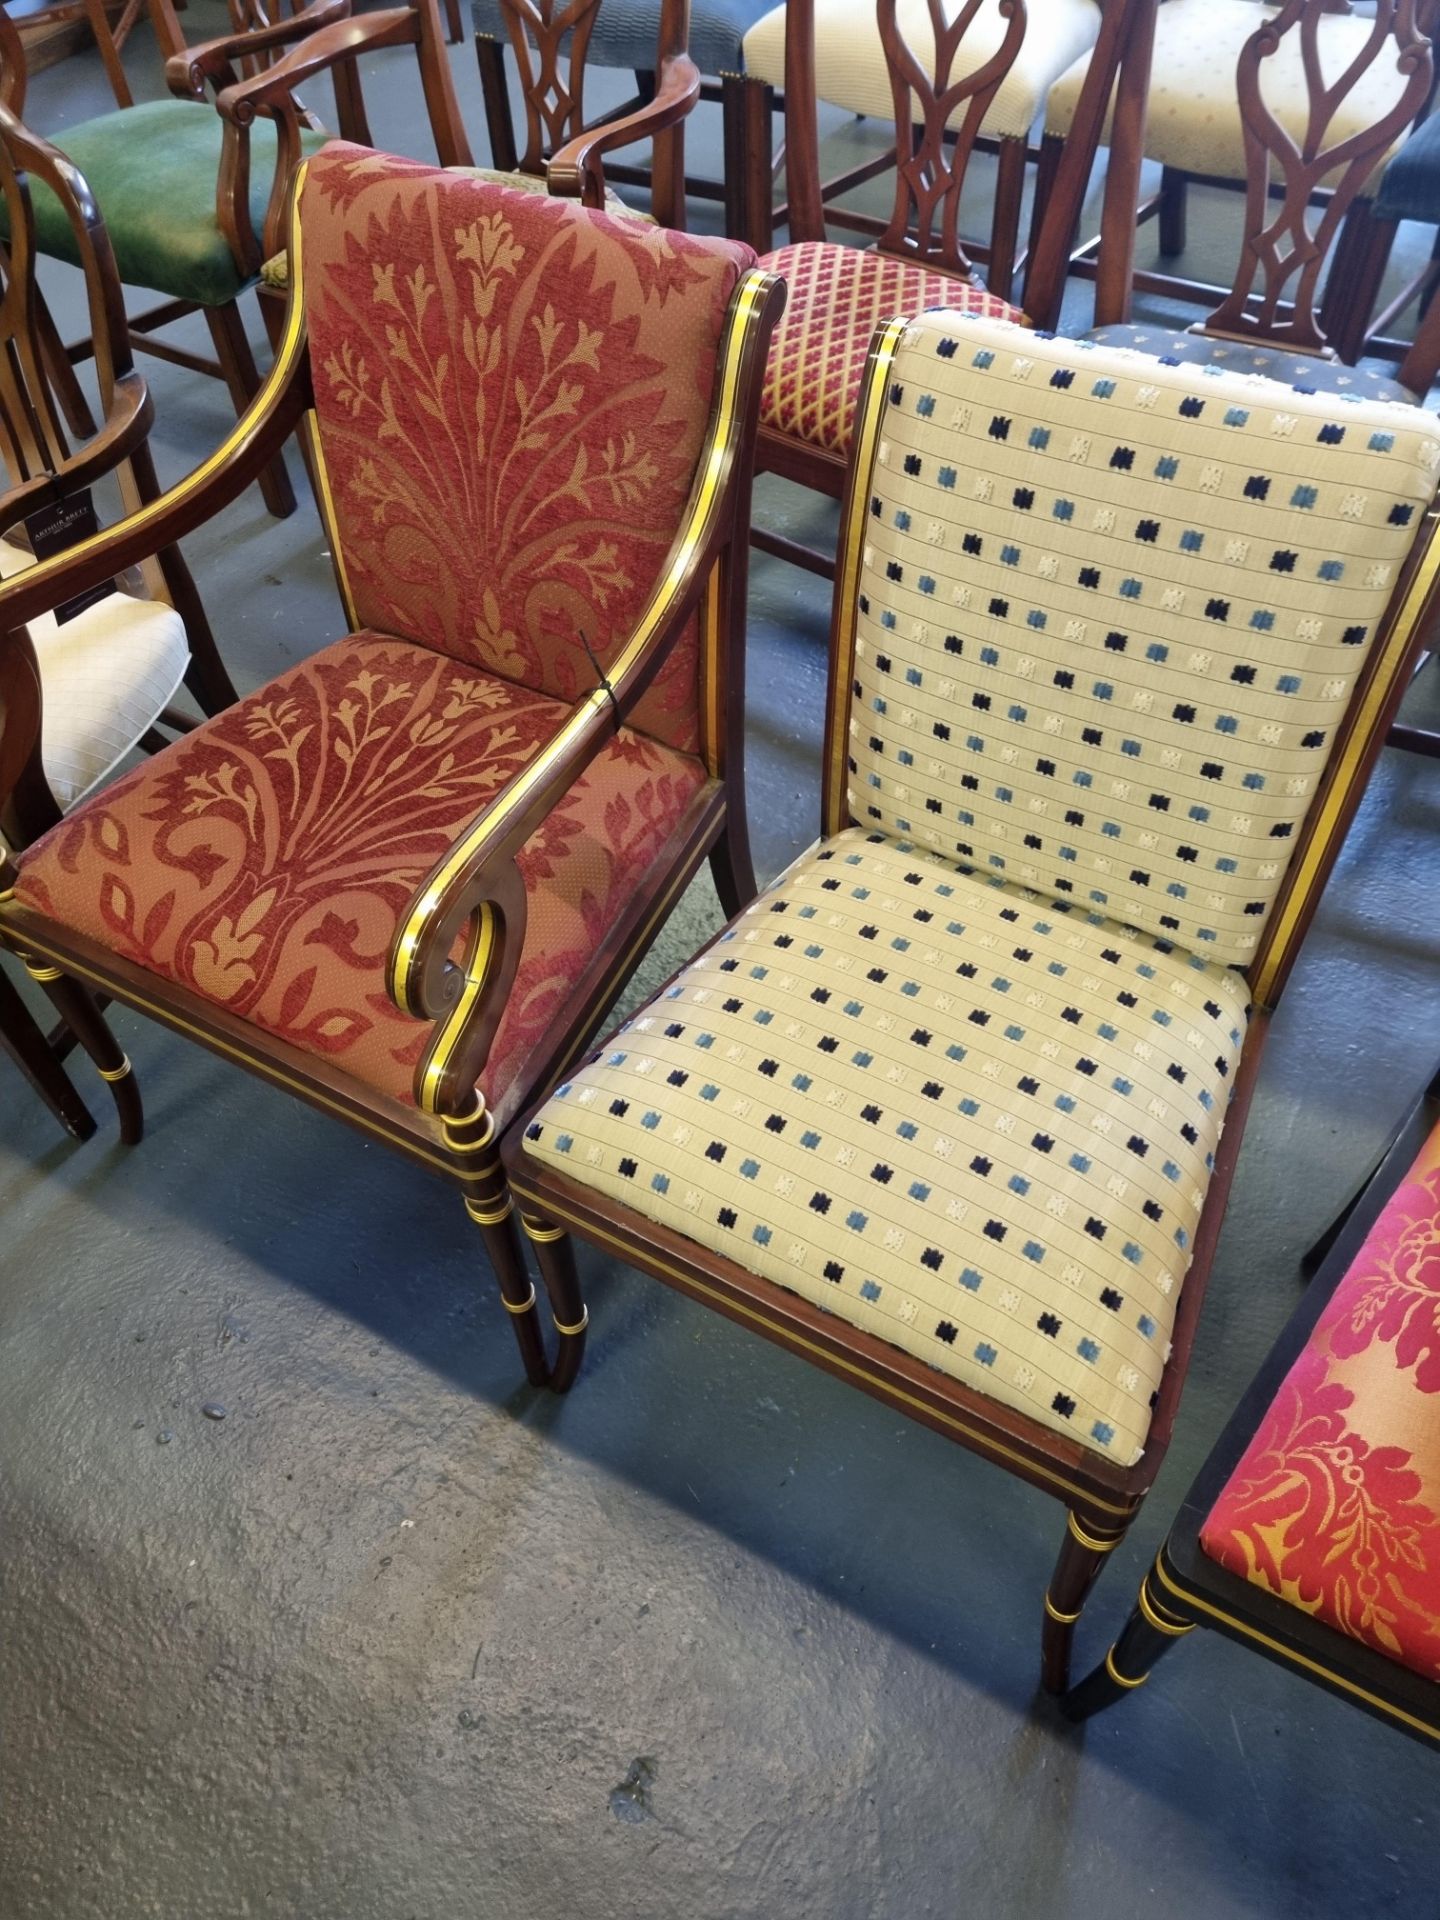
(153, 170)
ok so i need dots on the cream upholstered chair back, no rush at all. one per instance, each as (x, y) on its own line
(1110, 615)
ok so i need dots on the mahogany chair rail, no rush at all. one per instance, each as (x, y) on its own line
(461, 902)
(938, 564)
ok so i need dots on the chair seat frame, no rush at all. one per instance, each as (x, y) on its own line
(1101, 1499)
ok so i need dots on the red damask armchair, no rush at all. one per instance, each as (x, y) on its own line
(404, 879)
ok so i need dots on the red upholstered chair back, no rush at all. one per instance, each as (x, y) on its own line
(511, 395)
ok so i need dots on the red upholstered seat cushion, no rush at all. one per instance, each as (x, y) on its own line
(837, 298)
(264, 860)
(1335, 1505)
(512, 394)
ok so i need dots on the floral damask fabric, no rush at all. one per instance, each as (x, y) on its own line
(1335, 1505)
(512, 394)
(264, 860)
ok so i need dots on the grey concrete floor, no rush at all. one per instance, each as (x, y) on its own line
(715, 1637)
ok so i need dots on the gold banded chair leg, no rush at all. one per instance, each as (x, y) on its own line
(488, 1203)
(555, 1252)
(1153, 1626)
(1087, 1543)
(85, 1020)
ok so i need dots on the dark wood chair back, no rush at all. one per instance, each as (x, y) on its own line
(1289, 232)
(35, 442)
(549, 39)
(932, 152)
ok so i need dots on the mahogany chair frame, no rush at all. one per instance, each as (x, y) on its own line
(474, 894)
(44, 466)
(1101, 1498)
(1186, 1588)
(546, 34)
(923, 227)
(189, 72)
(1303, 318)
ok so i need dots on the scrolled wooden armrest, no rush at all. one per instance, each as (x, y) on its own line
(212, 61)
(475, 888)
(318, 51)
(576, 172)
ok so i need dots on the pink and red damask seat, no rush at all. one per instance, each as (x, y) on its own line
(1313, 1532)
(403, 878)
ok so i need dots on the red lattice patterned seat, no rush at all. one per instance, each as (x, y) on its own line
(1335, 1504)
(837, 297)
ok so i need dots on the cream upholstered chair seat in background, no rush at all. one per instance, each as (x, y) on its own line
(851, 72)
(106, 677)
(943, 1108)
(1193, 121)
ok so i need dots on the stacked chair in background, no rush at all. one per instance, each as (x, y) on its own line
(953, 1107)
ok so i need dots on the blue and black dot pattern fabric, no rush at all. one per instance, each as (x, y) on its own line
(1111, 615)
(959, 1076)
(974, 1123)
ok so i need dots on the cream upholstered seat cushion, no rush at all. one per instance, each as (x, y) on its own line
(275, 272)
(968, 1122)
(106, 676)
(851, 71)
(1193, 111)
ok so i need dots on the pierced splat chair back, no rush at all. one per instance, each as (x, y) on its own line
(549, 38)
(938, 116)
(34, 440)
(1389, 79)
(1112, 622)
(507, 456)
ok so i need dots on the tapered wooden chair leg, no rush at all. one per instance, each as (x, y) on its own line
(731, 866)
(237, 363)
(85, 1021)
(471, 1138)
(1078, 1568)
(555, 1252)
(1150, 1630)
(27, 1046)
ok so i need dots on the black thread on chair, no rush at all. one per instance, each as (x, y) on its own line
(600, 678)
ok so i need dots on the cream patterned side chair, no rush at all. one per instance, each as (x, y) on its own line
(953, 1108)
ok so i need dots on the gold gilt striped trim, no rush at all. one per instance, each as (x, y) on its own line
(1328, 1674)
(1092, 1542)
(489, 1216)
(42, 973)
(453, 1123)
(1054, 1613)
(1122, 1679)
(750, 296)
(538, 1231)
(601, 1236)
(579, 1326)
(112, 1074)
(519, 1306)
(852, 551)
(1175, 1628)
(484, 944)
(1285, 927)
(327, 509)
